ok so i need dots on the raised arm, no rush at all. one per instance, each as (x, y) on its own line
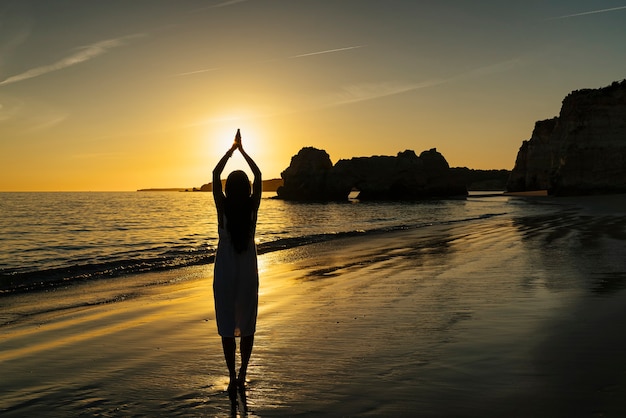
(218, 194)
(257, 184)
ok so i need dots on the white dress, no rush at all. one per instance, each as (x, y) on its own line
(235, 287)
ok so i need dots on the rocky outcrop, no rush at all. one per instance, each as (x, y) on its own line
(268, 186)
(306, 176)
(311, 176)
(582, 151)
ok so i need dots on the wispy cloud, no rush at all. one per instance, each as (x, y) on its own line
(218, 5)
(362, 92)
(591, 12)
(327, 51)
(43, 125)
(308, 54)
(228, 3)
(83, 54)
(369, 91)
(205, 70)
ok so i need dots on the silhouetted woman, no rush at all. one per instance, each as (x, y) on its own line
(236, 276)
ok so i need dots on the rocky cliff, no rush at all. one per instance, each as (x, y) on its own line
(311, 176)
(582, 151)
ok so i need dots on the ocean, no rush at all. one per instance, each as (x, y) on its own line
(53, 238)
(487, 306)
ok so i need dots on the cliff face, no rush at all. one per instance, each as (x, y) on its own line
(582, 151)
(312, 177)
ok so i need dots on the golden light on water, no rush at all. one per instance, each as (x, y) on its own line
(263, 264)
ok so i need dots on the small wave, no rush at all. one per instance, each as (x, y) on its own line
(12, 281)
(19, 281)
(12, 318)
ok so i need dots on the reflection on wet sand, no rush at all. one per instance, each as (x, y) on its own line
(514, 315)
(238, 402)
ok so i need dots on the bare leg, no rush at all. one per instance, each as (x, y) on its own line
(230, 346)
(246, 351)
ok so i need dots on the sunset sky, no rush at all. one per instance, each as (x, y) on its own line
(122, 95)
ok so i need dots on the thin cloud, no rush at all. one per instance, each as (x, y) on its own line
(206, 70)
(347, 95)
(328, 51)
(85, 53)
(369, 91)
(491, 69)
(222, 4)
(612, 9)
(356, 93)
(228, 3)
(44, 125)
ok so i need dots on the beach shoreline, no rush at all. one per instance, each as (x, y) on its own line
(500, 317)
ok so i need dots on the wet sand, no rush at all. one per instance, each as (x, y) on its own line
(513, 317)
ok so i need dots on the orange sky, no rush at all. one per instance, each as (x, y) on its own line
(125, 95)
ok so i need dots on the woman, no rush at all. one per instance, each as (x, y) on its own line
(236, 276)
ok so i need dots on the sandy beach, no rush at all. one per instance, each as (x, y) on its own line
(515, 317)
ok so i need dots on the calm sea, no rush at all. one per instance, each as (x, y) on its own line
(52, 238)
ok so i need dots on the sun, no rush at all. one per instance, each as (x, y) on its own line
(219, 134)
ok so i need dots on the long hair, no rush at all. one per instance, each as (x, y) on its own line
(238, 209)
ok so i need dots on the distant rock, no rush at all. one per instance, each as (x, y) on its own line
(485, 180)
(268, 186)
(582, 151)
(208, 187)
(272, 185)
(167, 189)
(311, 176)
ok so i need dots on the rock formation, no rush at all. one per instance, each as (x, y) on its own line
(311, 176)
(306, 176)
(582, 151)
(268, 186)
